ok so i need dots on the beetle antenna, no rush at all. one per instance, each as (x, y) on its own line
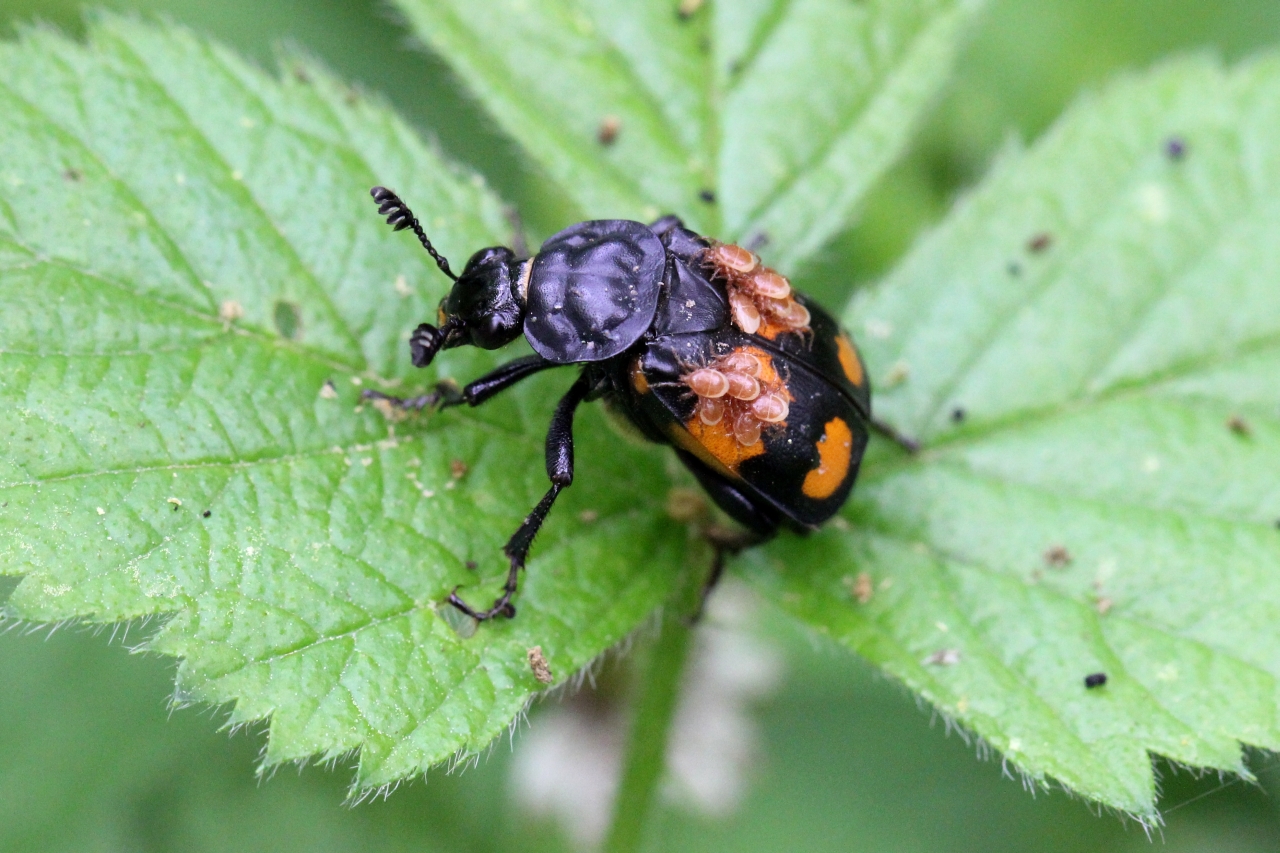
(400, 217)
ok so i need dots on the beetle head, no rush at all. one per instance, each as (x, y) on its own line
(482, 309)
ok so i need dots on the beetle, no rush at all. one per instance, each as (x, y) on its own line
(762, 395)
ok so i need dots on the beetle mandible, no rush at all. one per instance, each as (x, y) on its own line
(762, 395)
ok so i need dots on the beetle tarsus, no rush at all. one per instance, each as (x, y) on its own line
(502, 605)
(446, 394)
(408, 404)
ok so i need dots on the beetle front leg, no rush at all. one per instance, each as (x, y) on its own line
(560, 471)
(447, 393)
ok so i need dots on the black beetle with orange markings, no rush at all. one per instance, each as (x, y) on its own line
(759, 391)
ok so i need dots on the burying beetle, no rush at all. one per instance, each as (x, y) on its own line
(757, 388)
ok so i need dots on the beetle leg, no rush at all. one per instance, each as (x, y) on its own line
(413, 404)
(500, 379)
(447, 393)
(906, 442)
(560, 471)
(761, 521)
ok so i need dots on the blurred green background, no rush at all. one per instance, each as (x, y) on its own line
(91, 759)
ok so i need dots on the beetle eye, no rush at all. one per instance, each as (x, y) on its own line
(493, 328)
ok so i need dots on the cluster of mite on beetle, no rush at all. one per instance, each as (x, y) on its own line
(741, 388)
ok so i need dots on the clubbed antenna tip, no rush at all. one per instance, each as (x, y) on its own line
(400, 217)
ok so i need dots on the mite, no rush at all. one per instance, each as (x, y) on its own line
(759, 391)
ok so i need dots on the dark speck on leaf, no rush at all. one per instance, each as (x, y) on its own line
(608, 132)
(1040, 242)
(206, 513)
(1175, 148)
(1057, 557)
(1239, 426)
(958, 415)
(471, 564)
(72, 175)
(288, 319)
(1015, 269)
(1095, 679)
(708, 196)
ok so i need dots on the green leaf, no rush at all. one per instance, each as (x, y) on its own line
(1105, 314)
(194, 285)
(788, 110)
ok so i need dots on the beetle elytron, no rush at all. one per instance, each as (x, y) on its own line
(759, 391)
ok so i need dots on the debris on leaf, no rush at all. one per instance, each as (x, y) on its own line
(1057, 557)
(608, 132)
(1239, 426)
(943, 657)
(230, 311)
(687, 8)
(538, 663)
(1095, 679)
(897, 374)
(1040, 242)
(861, 587)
